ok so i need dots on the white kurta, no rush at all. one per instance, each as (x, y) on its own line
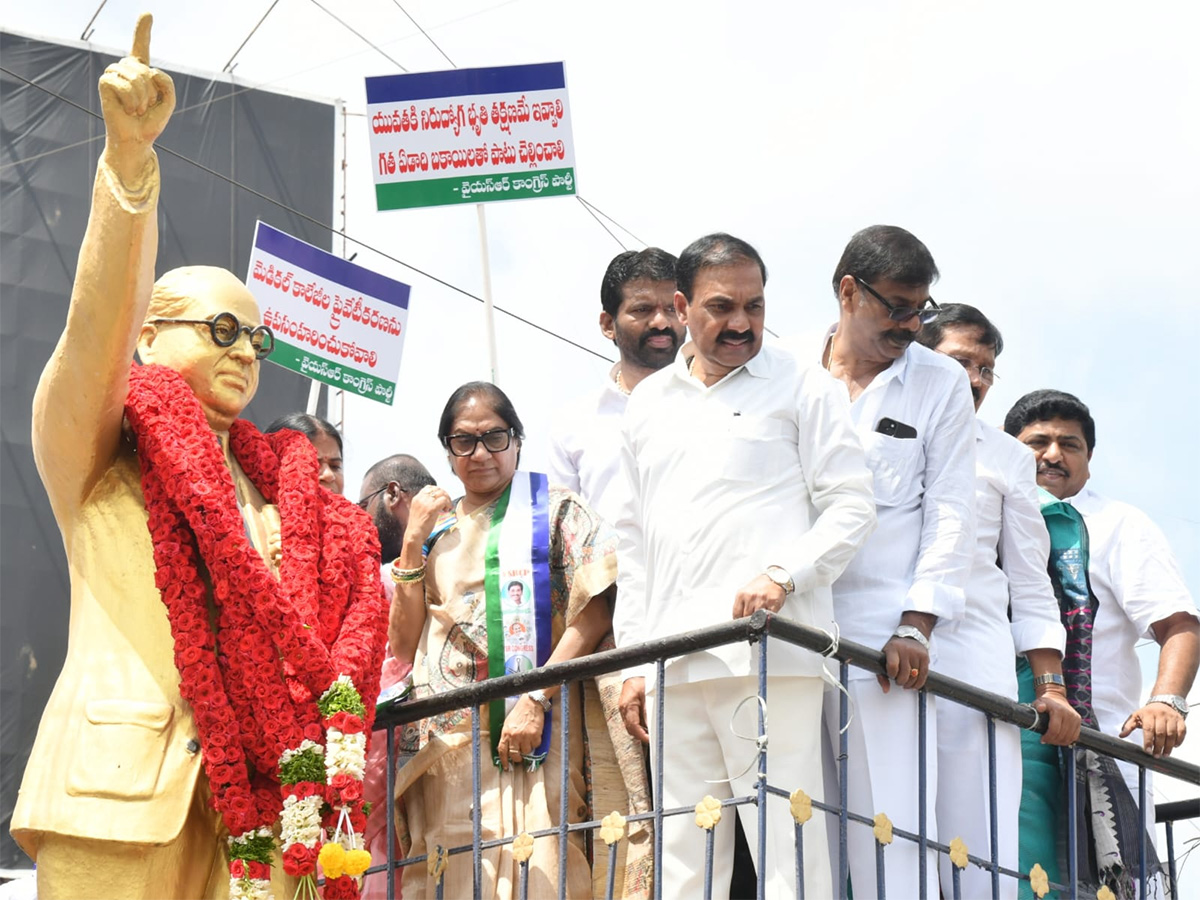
(918, 559)
(762, 468)
(1008, 573)
(585, 448)
(1137, 582)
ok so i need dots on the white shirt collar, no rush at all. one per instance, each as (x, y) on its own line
(898, 369)
(758, 366)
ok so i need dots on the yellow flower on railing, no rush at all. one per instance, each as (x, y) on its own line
(522, 846)
(958, 853)
(1039, 881)
(357, 861)
(612, 828)
(437, 862)
(801, 805)
(708, 812)
(1105, 893)
(883, 828)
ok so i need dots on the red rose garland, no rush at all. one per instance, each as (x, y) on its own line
(279, 645)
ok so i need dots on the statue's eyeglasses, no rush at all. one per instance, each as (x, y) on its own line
(226, 329)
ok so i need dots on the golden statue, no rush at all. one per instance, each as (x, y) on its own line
(115, 800)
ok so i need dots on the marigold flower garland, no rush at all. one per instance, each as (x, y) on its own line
(317, 632)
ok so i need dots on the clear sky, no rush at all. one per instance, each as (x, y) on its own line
(1047, 153)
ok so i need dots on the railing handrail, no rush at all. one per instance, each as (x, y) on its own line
(755, 628)
(1177, 810)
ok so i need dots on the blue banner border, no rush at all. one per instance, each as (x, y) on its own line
(326, 265)
(466, 83)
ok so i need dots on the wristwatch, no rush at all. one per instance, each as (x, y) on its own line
(540, 698)
(1180, 704)
(912, 631)
(780, 576)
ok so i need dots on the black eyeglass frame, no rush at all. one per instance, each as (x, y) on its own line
(927, 312)
(477, 439)
(986, 373)
(262, 350)
(364, 502)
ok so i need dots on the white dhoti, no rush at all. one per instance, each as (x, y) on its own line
(700, 745)
(964, 801)
(883, 759)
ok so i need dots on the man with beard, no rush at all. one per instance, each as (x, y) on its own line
(386, 493)
(913, 413)
(1133, 590)
(637, 297)
(746, 489)
(1010, 610)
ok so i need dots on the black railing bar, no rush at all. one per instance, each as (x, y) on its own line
(734, 801)
(941, 848)
(1177, 810)
(752, 628)
(396, 712)
(1001, 707)
(554, 831)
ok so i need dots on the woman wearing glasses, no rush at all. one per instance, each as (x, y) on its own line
(455, 616)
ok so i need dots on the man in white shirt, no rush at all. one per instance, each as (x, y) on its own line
(747, 490)
(913, 413)
(1136, 581)
(637, 298)
(1010, 610)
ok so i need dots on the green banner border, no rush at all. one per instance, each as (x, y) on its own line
(448, 191)
(291, 357)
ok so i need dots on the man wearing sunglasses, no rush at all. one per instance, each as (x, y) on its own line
(913, 413)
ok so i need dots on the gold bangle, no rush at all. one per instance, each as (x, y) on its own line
(407, 576)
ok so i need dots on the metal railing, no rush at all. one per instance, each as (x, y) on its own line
(757, 629)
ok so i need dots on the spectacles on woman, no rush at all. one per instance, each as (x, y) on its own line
(926, 312)
(494, 441)
(225, 330)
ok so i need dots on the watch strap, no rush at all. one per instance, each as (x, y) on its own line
(540, 698)
(1049, 678)
(1179, 703)
(912, 632)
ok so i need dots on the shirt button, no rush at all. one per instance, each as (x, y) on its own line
(193, 746)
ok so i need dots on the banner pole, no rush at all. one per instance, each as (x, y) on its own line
(314, 395)
(489, 316)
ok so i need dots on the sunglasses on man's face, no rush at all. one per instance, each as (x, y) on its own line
(926, 312)
(225, 329)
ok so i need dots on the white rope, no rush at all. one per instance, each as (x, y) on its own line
(760, 741)
(832, 680)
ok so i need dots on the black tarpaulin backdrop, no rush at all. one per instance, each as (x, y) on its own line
(278, 145)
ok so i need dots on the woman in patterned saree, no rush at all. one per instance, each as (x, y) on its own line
(517, 575)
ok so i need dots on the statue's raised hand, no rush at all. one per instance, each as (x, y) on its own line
(137, 100)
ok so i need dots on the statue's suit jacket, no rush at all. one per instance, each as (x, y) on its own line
(116, 755)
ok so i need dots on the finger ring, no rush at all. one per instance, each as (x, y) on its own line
(913, 673)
